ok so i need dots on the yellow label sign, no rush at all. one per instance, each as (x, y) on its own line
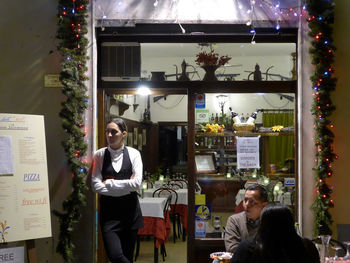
(52, 81)
(203, 212)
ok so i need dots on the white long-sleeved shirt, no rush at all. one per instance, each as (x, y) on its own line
(116, 187)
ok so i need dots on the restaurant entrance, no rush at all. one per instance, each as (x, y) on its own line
(171, 126)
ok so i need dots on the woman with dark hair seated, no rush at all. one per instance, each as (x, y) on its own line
(276, 241)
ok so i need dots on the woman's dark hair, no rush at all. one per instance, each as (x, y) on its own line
(277, 239)
(120, 122)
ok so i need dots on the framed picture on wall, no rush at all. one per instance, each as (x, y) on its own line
(135, 136)
(140, 142)
(130, 139)
(205, 163)
(144, 137)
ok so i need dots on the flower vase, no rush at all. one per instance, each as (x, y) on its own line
(210, 72)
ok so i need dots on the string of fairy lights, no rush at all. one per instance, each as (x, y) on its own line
(320, 21)
(71, 31)
(72, 28)
(271, 10)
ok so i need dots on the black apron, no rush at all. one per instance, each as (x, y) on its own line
(121, 212)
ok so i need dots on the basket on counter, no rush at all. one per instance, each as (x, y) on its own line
(244, 126)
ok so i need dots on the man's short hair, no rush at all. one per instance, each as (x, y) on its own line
(263, 197)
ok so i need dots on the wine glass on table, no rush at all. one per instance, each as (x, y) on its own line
(347, 245)
(336, 253)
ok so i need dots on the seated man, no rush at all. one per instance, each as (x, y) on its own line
(243, 225)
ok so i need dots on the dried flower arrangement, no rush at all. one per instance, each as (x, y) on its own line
(211, 58)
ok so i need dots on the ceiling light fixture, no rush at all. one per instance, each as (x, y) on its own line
(143, 90)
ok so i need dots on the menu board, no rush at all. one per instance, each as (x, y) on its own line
(24, 194)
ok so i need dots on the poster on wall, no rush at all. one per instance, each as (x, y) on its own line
(248, 152)
(24, 198)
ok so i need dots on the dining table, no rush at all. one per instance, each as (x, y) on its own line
(181, 206)
(156, 222)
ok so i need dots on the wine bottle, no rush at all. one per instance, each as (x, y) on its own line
(234, 116)
(252, 118)
(212, 119)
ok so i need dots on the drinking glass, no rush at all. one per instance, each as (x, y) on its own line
(336, 254)
(347, 244)
(325, 243)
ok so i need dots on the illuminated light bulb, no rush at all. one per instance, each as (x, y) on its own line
(240, 7)
(252, 31)
(249, 23)
(266, 181)
(320, 180)
(304, 7)
(253, 42)
(278, 27)
(326, 42)
(249, 11)
(324, 196)
(104, 16)
(155, 3)
(295, 14)
(277, 5)
(252, 2)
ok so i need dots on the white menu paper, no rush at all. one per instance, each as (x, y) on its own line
(248, 152)
(24, 194)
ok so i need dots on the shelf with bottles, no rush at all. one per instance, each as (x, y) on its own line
(214, 141)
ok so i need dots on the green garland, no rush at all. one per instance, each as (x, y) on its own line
(321, 20)
(72, 28)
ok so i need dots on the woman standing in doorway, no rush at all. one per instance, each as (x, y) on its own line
(116, 176)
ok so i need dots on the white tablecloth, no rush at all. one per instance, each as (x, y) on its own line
(153, 207)
(181, 196)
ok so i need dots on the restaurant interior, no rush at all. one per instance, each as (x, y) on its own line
(170, 126)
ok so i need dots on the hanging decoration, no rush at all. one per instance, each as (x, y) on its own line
(72, 28)
(320, 21)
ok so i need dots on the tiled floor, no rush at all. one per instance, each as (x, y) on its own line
(176, 252)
